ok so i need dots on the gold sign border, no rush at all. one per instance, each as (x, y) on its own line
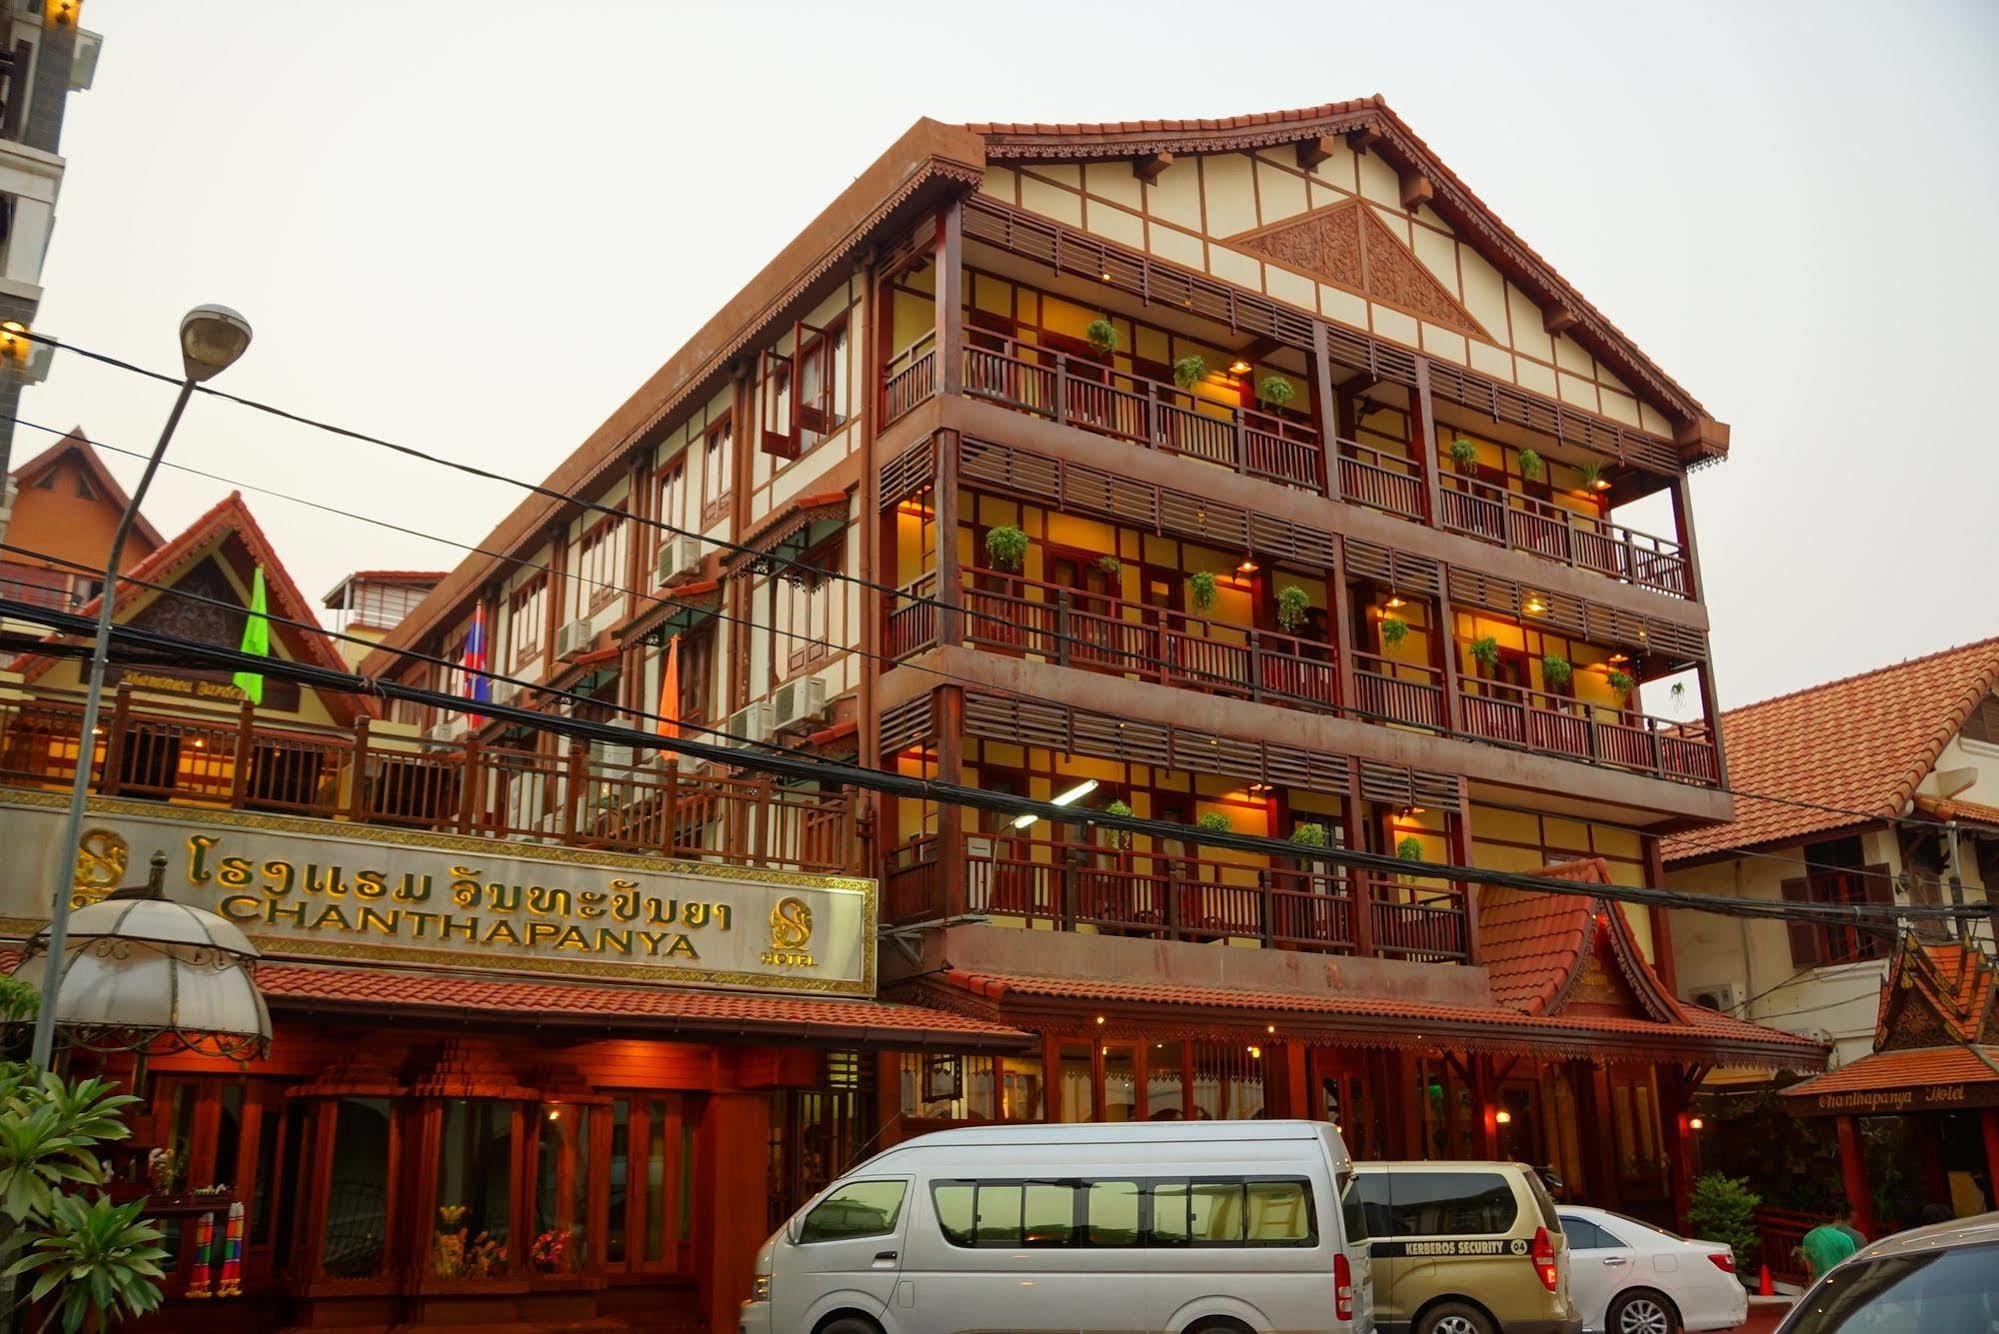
(520, 970)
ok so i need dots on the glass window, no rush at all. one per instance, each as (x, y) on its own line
(1352, 1212)
(357, 1198)
(621, 1169)
(561, 1190)
(474, 1183)
(1214, 1210)
(1433, 1204)
(1166, 1082)
(953, 1201)
(1584, 1235)
(857, 1209)
(1120, 1085)
(1047, 1213)
(1278, 1211)
(1076, 1101)
(1112, 1218)
(1020, 1088)
(1930, 1290)
(996, 1215)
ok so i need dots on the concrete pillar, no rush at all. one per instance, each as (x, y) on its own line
(1853, 1170)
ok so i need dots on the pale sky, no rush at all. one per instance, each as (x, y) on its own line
(476, 227)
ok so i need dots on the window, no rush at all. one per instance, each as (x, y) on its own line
(357, 1201)
(601, 562)
(1983, 725)
(1584, 1235)
(1840, 878)
(1111, 1214)
(673, 496)
(1218, 1211)
(474, 1189)
(1932, 1289)
(697, 670)
(1437, 1204)
(811, 586)
(527, 614)
(858, 1209)
(822, 384)
(715, 464)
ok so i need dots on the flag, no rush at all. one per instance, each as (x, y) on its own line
(669, 692)
(256, 639)
(478, 685)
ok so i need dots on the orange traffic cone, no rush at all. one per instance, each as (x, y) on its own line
(1764, 1287)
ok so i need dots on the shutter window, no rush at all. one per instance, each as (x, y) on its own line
(1806, 950)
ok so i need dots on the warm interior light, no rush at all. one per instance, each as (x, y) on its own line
(1073, 795)
(1411, 812)
(1270, 1028)
(1695, 1123)
(1616, 658)
(1105, 275)
(1535, 606)
(1100, 1019)
(1239, 367)
(1247, 565)
(1256, 1053)
(1258, 789)
(1600, 484)
(1502, 1117)
(555, 1113)
(1394, 601)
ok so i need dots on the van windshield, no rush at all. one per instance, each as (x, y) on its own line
(1543, 1200)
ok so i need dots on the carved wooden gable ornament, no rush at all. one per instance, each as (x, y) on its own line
(1347, 246)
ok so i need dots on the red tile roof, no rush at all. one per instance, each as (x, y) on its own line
(77, 443)
(1917, 1069)
(1957, 983)
(1535, 942)
(300, 987)
(228, 515)
(1964, 812)
(1853, 750)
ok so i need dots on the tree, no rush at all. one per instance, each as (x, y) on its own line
(1723, 1209)
(83, 1257)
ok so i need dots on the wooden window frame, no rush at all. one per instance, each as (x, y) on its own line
(717, 460)
(808, 646)
(608, 584)
(669, 501)
(527, 622)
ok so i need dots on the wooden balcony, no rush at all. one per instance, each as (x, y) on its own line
(1161, 895)
(1598, 733)
(1485, 510)
(1381, 481)
(584, 798)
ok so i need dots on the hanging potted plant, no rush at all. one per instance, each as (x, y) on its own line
(1119, 838)
(1201, 590)
(1464, 455)
(1101, 335)
(1485, 652)
(1621, 682)
(1591, 473)
(1393, 631)
(1530, 464)
(1213, 822)
(1292, 603)
(1309, 835)
(1110, 565)
(1409, 848)
(1190, 371)
(1006, 548)
(1556, 671)
(1276, 391)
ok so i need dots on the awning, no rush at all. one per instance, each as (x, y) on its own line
(639, 1011)
(679, 609)
(799, 525)
(1918, 1079)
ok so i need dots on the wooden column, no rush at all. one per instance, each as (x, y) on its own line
(950, 593)
(1341, 612)
(1600, 1138)
(948, 720)
(1988, 1121)
(733, 1190)
(1423, 438)
(874, 570)
(745, 432)
(1853, 1172)
(1360, 884)
(1458, 831)
(1290, 1059)
(1683, 529)
(558, 596)
(1676, 1090)
(1662, 920)
(950, 287)
(1445, 637)
(1485, 1098)
(1325, 410)
(638, 504)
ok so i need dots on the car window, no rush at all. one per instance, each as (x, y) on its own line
(857, 1209)
(1353, 1210)
(1434, 1204)
(1939, 1290)
(1585, 1235)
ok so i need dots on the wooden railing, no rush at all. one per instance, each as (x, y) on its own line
(601, 798)
(1600, 733)
(1380, 480)
(910, 625)
(1083, 392)
(1482, 509)
(1391, 691)
(909, 378)
(1072, 627)
(1168, 893)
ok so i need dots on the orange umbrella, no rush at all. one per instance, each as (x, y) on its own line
(669, 692)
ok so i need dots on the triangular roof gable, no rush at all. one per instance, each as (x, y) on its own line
(1937, 996)
(1844, 752)
(1369, 124)
(229, 519)
(1546, 952)
(76, 446)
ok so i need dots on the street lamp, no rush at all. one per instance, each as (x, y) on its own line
(211, 339)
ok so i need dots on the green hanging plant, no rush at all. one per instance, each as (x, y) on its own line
(1591, 474)
(1276, 391)
(1120, 838)
(1213, 822)
(1006, 548)
(1464, 454)
(1101, 335)
(1292, 603)
(1410, 848)
(1310, 835)
(1485, 652)
(1556, 671)
(1190, 371)
(1393, 631)
(1201, 588)
(1621, 682)
(1530, 464)
(1679, 691)
(1110, 565)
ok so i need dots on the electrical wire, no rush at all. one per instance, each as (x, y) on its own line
(823, 771)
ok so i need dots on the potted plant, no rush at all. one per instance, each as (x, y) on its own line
(1201, 590)
(1678, 692)
(1110, 565)
(1393, 631)
(1621, 682)
(1409, 848)
(1723, 1208)
(1119, 838)
(1309, 835)
(1101, 335)
(1591, 473)
(1556, 671)
(1530, 464)
(1485, 652)
(1292, 603)
(1190, 371)
(1213, 822)
(1276, 391)
(1464, 455)
(1006, 548)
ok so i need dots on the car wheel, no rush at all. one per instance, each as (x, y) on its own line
(1641, 1311)
(1454, 1318)
(848, 1324)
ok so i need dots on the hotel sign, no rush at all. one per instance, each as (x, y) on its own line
(319, 890)
(1893, 1101)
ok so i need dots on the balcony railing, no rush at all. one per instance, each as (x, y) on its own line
(579, 799)
(1079, 391)
(1168, 895)
(909, 378)
(1486, 510)
(1077, 628)
(1392, 691)
(1381, 481)
(1599, 733)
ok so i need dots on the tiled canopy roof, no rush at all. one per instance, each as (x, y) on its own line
(1955, 982)
(1964, 812)
(1920, 1068)
(1859, 744)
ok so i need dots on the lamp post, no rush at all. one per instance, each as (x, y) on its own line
(211, 339)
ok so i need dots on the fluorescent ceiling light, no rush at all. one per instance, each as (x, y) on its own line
(1073, 795)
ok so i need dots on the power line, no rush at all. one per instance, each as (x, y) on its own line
(824, 771)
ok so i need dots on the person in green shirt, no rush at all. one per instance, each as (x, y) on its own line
(1830, 1242)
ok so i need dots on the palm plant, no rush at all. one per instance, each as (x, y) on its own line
(1530, 464)
(1485, 652)
(1201, 589)
(1292, 603)
(1276, 391)
(1556, 670)
(1006, 548)
(1393, 631)
(1464, 454)
(1101, 335)
(1190, 371)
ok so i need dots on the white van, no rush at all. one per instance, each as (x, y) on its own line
(1210, 1227)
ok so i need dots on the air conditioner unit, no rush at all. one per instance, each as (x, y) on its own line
(1727, 997)
(573, 638)
(448, 731)
(678, 555)
(795, 702)
(612, 756)
(747, 726)
(505, 692)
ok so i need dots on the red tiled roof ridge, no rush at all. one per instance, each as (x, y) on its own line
(1950, 808)
(75, 441)
(1991, 642)
(1204, 124)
